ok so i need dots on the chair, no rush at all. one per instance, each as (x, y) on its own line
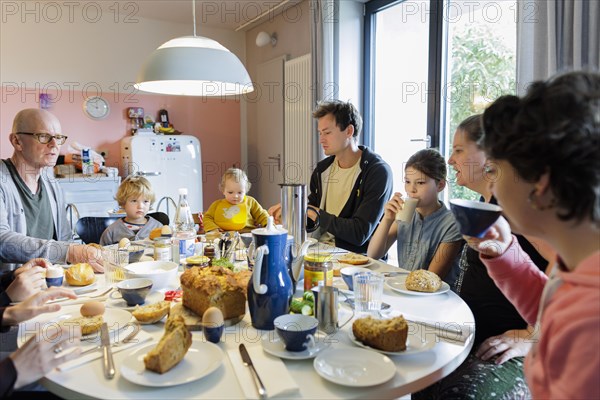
(160, 217)
(90, 229)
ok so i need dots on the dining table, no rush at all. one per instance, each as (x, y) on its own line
(433, 314)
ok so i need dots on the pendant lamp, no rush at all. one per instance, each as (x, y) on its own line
(193, 66)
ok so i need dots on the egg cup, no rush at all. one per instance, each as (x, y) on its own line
(213, 333)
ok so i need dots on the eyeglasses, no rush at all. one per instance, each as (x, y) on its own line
(45, 138)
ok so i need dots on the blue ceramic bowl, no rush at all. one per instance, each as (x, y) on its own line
(474, 217)
(348, 272)
(134, 291)
(213, 333)
(295, 330)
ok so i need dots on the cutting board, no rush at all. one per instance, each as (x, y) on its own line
(193, 321)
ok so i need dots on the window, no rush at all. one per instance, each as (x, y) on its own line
(428, 65)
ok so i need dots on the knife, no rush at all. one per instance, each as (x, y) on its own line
(107, 358)
(262, 392)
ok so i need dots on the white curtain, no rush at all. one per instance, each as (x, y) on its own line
(322, 22)
(556, 36)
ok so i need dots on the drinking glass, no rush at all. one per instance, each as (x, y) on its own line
(368, 290)
(114, 261)
(251, 255)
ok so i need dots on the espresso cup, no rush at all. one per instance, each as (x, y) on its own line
(408, 210)
(54, 276)
(296, 331)
(133, 291)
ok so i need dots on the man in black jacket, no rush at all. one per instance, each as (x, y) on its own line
(349, 188)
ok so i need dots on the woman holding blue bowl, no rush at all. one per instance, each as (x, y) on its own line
(502, 336)
(544, 149)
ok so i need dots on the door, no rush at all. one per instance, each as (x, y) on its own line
(267, 172)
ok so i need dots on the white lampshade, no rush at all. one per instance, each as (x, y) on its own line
(193, 66)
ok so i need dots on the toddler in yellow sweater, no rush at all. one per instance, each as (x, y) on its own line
(237, 211)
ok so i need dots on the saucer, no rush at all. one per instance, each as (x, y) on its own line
(273, 345)
(153, 297)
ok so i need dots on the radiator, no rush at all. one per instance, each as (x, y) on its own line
(299, 137)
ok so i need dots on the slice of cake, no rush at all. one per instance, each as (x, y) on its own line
(171, 348)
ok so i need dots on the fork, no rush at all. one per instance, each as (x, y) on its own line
(129, 338)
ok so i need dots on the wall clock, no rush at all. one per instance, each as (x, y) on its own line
(96, 107)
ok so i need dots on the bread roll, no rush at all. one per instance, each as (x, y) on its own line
(353, 259)
(80, 274)
(88, 325)
(422, 280)
(171, 348)
(152, 313)
(383, 334)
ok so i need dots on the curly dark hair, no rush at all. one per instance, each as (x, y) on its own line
(555, 128)
(430, 162)
(344, 113)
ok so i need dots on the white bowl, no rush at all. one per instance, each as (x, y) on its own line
(162, 273)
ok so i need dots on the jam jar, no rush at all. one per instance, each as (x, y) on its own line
(317, 268)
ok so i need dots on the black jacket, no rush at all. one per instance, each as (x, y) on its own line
(363, 210)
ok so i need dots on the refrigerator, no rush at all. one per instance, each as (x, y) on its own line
(169, 162)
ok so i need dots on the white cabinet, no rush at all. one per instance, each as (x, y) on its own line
(92, 195)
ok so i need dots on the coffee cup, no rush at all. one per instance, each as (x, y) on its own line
(54, 276)
(296, 331)
(348, 275)
(133, 291)
(408, 210)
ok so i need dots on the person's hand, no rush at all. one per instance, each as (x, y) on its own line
(275, 212)
(81, 253)
(200, 221)
(28, 280)
(496, 240)
(35, 305)
(513, 343)
(393, 206)
(312, 212)
(40, 355)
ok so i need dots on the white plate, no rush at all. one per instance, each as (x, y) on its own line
(45, 323)
(201, 359)
(272, 344)
(397, 284)
(151, 298)
(354, 367)
(414, 344)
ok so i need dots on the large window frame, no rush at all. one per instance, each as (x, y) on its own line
(436, 47)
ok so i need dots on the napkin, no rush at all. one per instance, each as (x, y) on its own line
(141, 337)
(272, 371)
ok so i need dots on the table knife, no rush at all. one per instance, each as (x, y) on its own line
(107, 358)
(262, 391)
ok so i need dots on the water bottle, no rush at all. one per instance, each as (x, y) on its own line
(184, 234)
(87, 164)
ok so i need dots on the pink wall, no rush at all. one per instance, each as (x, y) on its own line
(216, 122)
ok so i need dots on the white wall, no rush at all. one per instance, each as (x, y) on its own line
(49, 42)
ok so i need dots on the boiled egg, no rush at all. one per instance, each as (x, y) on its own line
(92, 308)
(213, 317)
(124, 243)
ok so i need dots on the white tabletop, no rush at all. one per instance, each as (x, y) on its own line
(413, 372)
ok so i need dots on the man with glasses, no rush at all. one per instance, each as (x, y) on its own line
(33, 220)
